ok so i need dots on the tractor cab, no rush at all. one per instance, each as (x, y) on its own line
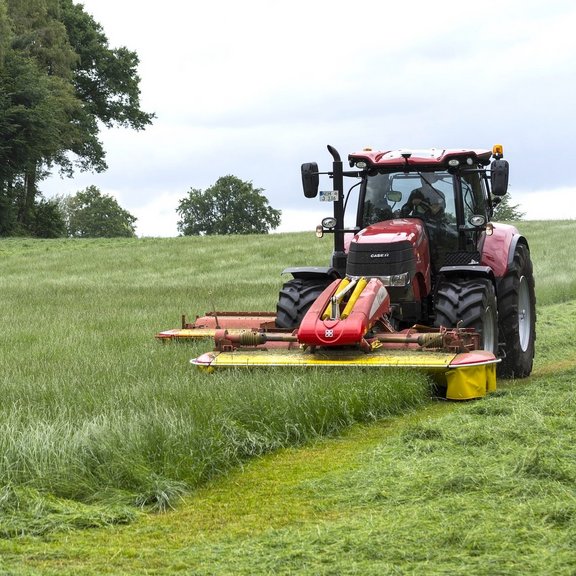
(420, 216)
(454, 208)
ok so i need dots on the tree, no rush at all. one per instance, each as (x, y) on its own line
(34, 126)
(49, 219)
(91, 214)
(230, 206)
(504, 211)
(59, 82)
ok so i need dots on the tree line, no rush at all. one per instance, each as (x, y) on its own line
(59, 82)
(230, 206)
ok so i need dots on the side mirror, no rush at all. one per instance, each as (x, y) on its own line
(310, 179)
(394, 196)
(499, 170)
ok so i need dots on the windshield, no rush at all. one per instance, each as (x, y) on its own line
(423, 194)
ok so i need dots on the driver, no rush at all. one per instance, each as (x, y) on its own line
(425, 201)
(437, 206)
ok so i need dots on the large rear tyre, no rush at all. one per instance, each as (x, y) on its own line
(517, 316)
(294, 300)
(469, 304)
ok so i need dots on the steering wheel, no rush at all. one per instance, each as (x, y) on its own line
(418, 210)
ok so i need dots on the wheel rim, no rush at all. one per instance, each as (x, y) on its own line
(524, 314)
(489, 329)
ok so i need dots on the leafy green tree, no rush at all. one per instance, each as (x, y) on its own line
(505, 211)
(230, 206)
(49, 219)
(60, 81)
(34, 124)
(91, 214)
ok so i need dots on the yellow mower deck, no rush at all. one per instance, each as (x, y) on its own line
(466, 376)
(251, 340)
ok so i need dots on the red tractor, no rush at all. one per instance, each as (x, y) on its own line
(422, 227)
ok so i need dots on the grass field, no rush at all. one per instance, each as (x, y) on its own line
(96, 415)
(99, 422)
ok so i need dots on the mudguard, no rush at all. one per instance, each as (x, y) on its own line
(498, 248)
(312, 272)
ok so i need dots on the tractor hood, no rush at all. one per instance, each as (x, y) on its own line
(393, 250)
(400, 230)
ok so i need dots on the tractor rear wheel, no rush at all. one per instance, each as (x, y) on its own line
(294, 300)
(473, 303)
(517, 316)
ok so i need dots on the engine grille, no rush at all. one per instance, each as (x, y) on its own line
(380, 259)
(461, 258)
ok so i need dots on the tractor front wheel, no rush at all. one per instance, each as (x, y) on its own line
(517, 316)
(469, 304)
(294, 300)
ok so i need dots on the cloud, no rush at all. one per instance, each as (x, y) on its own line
(158, 218)
(552, 204)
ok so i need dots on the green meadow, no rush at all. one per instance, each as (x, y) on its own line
(117, 456)
(98, 415)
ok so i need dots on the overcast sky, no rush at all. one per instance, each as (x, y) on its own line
(254, 88)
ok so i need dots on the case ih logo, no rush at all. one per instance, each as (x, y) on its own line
(380, 255)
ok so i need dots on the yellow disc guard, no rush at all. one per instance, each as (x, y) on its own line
(465, 376)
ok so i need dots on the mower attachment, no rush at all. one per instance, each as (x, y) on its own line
(465, 376)
(346, 326)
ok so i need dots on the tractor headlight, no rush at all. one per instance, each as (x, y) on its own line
(396, 280)
(329, 222)
(477, 220)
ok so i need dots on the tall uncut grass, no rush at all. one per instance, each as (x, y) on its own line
(97, 418)
(552, 246)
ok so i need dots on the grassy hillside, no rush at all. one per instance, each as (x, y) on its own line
(552, 246)
(98, 419)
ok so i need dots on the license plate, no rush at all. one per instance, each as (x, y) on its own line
(328, 195)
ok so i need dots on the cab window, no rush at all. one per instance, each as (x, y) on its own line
(397, 194)
(473, 197)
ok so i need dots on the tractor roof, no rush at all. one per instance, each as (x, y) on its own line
(429, 159)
